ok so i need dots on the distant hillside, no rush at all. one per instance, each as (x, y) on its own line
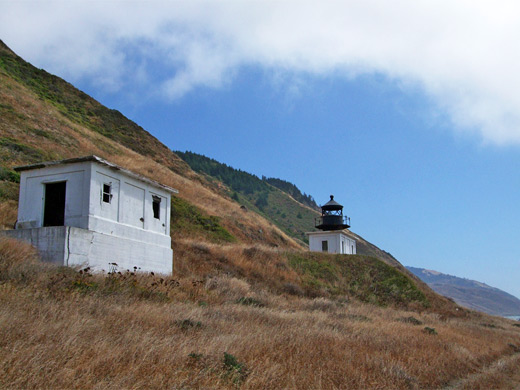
(292, 190)
(276, 199)
(470, 293)
(278, 206)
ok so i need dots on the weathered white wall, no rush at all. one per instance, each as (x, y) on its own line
(71, 246)
(32, 194)
(131, 204)
(335, 242)
(123, 231)
(50, 241)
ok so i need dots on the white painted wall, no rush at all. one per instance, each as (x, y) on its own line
(123, 229)
(338, 242)
(32, 194)
(71, 246)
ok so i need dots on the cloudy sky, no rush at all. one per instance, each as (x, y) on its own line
(408, 111)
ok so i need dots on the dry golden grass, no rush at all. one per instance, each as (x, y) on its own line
(62, 329)
(8, 214)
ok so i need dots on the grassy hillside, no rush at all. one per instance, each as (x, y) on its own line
(260, 195)
(277, 205)
(247, 306)
(70, 329)
(46, 118)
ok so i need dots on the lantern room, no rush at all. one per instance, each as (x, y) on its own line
(332, 217)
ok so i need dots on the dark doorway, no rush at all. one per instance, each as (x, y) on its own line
(54, 209)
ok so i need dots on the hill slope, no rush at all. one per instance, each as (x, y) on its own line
(470, 293)
(272, 202)
(45, 118)
(247, 306)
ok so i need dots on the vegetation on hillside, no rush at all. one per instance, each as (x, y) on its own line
(235, 179)
(189, 221)
(79, 108)
(365, 278)
(272, 198)
(66, 328)
(291, 189)
(245, 307)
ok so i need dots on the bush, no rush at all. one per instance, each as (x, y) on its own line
(250, 301)
(236, 370)
(429, 330)
(189, 324)
(410, 320)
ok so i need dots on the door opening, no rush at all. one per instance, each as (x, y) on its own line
(54, 207)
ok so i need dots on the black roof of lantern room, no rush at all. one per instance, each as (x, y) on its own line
(332, 217)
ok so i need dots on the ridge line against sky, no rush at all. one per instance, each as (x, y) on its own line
(452, 51)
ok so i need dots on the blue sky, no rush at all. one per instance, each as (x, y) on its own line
(409, 112)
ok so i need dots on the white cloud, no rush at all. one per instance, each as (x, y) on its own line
(462, 54)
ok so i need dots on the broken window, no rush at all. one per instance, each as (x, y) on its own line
(107, 193)
(156, 205)
(324, 246)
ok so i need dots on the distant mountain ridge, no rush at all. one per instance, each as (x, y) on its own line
(470, 293)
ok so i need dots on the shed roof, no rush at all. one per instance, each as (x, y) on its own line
(97, 160)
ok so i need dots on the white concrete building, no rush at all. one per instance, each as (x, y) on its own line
(333, 241)
(89, 212)
(332, 237)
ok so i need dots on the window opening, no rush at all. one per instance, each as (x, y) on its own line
(156, 205)
(54, 206)
(324, 246)
(107, 193)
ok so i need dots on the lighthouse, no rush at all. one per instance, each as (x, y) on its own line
(331, 237)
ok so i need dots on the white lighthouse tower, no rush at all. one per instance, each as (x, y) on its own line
(332, 237)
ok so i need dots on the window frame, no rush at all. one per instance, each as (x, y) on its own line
(156, 206)
(106, 194)
(325, 246)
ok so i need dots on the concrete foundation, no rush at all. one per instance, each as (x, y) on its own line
(72, 246)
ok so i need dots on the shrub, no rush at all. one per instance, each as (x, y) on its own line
(250, 301)
(236, 370)
(189, 324)
(429, 330)
(410, 320)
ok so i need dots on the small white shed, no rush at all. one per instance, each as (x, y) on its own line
(89, 212)
(332, 241)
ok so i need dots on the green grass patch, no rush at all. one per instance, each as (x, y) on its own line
(78, 107)
(7, 174)
(363, 277)
(189, 219)
(13, 149)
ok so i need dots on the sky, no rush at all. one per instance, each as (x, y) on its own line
(407, 111)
